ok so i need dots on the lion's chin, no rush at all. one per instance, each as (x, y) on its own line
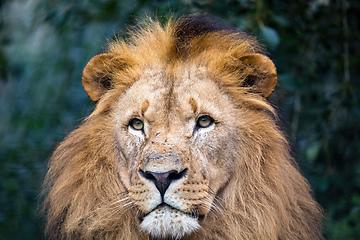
(168, 222)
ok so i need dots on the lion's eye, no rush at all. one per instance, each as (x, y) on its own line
(204, 121)
(137, 124)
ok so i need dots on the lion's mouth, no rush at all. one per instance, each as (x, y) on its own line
(167, 221)
(164, 207)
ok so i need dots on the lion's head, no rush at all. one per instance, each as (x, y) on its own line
(182, 144)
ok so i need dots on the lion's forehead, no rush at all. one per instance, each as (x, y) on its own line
(161, 83)
(169, 93)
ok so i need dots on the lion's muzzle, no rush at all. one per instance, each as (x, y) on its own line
(162, 191)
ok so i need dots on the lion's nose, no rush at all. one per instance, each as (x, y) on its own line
(162, 180)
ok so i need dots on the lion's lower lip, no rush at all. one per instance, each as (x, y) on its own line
(167, 206)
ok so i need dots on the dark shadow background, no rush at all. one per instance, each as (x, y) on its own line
(44, 45)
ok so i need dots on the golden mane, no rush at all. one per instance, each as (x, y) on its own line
(267, 198)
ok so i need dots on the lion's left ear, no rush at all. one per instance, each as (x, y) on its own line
(98, 74)
(261, 74)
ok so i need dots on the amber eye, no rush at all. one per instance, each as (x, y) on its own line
(204, 121)
(137, 124)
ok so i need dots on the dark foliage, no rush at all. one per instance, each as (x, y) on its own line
(46, 44)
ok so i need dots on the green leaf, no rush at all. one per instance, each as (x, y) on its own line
(271, 36)
(312, 152)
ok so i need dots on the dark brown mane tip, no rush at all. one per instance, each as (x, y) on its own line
(197, 24)
(194, 25)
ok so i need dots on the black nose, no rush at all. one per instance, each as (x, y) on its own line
(163, 180)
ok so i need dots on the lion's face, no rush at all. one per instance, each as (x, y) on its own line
(175, 136)
(182, 144)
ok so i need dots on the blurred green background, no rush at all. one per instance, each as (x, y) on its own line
(44, 45)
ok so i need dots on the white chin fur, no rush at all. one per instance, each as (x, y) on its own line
(165, 222)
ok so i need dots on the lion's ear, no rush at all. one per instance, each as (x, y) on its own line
(97, 77)
(261, 74)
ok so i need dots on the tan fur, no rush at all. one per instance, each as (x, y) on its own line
(238, 172)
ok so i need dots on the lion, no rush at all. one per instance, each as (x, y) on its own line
(182, 144)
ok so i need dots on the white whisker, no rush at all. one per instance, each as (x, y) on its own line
(121, 200)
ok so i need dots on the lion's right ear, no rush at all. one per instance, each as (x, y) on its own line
(262, 76)
(97, 77)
